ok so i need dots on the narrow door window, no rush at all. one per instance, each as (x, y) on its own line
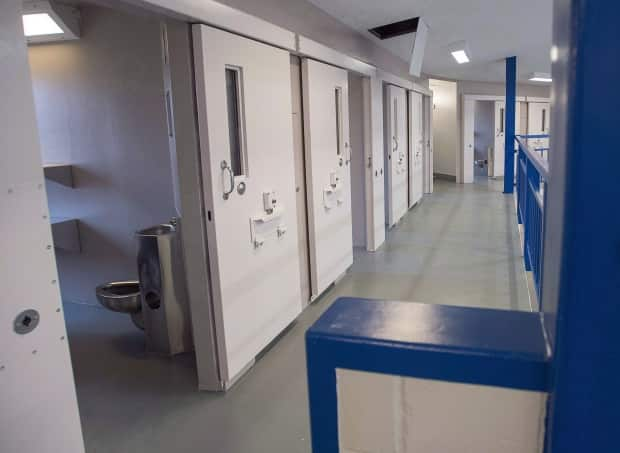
(501, 120)
(236, 124)
(338, 99)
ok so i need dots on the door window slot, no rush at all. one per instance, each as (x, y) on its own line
(236, 121)
(338, 100)
(501, 120)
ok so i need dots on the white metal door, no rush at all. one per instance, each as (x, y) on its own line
(498, 149)
(469, 115)
(416, 147)
(244, 108)
(328, 157)
(396, 164)
(538, 124)
(428, 143)
(38, 406)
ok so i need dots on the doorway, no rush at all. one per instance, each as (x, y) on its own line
(484, 138)
(104, 129)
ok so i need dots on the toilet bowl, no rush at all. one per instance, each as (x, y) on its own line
(122, 297)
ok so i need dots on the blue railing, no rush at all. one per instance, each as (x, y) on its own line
(532, 177)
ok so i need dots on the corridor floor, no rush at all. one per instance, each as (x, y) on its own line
(460, 246)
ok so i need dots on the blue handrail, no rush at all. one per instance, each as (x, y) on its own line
(532, 177)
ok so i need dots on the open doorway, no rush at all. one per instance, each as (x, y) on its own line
(104, 133)
(484, 138)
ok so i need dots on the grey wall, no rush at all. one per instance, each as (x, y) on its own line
(358, 168)
(484, 133)
(304, 18)
(99, 103)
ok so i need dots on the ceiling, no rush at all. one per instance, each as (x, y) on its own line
(493, 29)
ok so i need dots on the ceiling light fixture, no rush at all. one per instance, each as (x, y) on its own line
(540, 77)
(46, 21)
(38, 24)
(459, 52)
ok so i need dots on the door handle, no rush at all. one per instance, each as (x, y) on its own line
(395, 147)
(225, 167)
(369, 161)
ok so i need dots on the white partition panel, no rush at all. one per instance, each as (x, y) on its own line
(38, 406)
(379, 413)
(375, 186)
(328, 172)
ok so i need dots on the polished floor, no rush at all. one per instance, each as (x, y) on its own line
(460, 246)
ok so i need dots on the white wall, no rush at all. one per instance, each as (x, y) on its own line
(380, 413)
(445, 126)
(492, 89)
(358, 164)
(304, 18)
(99, 103)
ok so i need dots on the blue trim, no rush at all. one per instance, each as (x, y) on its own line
(509, 135)
(458, 344)
(581, 291)
(532, 136)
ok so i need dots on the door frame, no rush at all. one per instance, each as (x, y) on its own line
(468, 111)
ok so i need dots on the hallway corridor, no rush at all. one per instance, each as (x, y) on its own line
(460, 246)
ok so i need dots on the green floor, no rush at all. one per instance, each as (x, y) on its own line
(460, 247)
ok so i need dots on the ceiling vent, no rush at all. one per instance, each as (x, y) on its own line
(396, 28)
(415, 26)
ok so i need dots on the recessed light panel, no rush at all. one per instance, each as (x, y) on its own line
(40, 24)
(540, 77)
(459, 52)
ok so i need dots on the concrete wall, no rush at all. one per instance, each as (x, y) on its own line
(380, 413)
(306, 19)
(445, 126)
(99, 103)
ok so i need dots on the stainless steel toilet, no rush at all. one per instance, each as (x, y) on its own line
(157, 302)
(122, 297)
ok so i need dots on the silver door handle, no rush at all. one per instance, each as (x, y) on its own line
(225, 167)
(395, 144)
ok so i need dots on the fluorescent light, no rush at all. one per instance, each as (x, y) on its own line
(459, 52)
(460, 56)
(540, 77)
(40, 24)
(47, 21)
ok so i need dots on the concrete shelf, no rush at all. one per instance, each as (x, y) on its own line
(66, 234)
(60, 173)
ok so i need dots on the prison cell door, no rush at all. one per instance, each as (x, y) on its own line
(416, 147)
(538, 124)
(328, 172)
(396, 153)
(244, 108)
(499, 144)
